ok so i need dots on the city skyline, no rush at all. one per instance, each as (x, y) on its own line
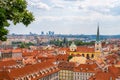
(72, 17)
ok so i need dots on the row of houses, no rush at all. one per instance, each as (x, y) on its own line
(49, 70)
(71, 71)
(40, 71)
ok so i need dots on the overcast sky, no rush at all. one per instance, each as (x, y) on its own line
(72, 17)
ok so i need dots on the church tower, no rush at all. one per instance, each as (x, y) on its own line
(98, 45)
(73, 47)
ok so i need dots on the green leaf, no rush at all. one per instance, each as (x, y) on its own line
(15, 11)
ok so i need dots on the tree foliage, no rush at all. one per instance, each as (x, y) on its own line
(69, 57)
(13, 11)
(26, 45)
(66, 43)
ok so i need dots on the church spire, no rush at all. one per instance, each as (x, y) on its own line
(98, 34)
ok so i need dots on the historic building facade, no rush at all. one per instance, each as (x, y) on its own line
(84, 71)
(85, 51)
(54, 76)
(66, 70)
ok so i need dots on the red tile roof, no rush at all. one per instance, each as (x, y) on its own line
(86, 68)
(102, 76)
(114, 70)
(62, 57)
(85, 49)
(17, 50)
(7, 63)
(28, 70)
(66, 66)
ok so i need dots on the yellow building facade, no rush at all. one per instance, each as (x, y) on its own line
(85, 51)
(65, 75)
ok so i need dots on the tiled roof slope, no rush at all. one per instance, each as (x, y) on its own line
(103, 76)
(29, 71)
(86, 68)
(85, 49)
(7, 63)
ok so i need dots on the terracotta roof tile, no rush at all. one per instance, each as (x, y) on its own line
(86, 68)
(85, 49)
(28, 70)
(66, 65)
(102, 76)
(7, 63)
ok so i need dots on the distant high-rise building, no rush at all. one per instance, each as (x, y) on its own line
(50, 32)
(42, 32)
(30, 33)
(47, 34)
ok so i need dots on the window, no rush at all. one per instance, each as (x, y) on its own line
(92, 56)
(87, 56)
(83, 55)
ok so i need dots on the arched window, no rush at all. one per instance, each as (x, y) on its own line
(92, 56)
(83, 55)
(88, 57)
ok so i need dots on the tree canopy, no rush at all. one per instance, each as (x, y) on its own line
(65, 42)
(14, 11)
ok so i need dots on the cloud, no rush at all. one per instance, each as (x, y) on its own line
(74, 0)
(39, 4)
(43, 6)
(74, 16)
(70, 0)
(109, 7)
(115, 10)
(58, 6)
(66, 18)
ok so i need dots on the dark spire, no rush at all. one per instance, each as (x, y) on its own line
(98, 34)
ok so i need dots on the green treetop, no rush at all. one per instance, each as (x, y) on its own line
(13, 11)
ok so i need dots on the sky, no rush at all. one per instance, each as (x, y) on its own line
(72, 17)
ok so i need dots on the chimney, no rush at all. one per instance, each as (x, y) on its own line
(86, 69)
(111, 78)
(9, 70)
(80, 68)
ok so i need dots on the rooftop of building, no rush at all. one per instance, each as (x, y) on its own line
(66, 65)
(86, 68)
(102, 76)
(40, 69)
(7, 63)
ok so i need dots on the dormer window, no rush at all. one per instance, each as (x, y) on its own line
(80, 68)
(86, 68)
